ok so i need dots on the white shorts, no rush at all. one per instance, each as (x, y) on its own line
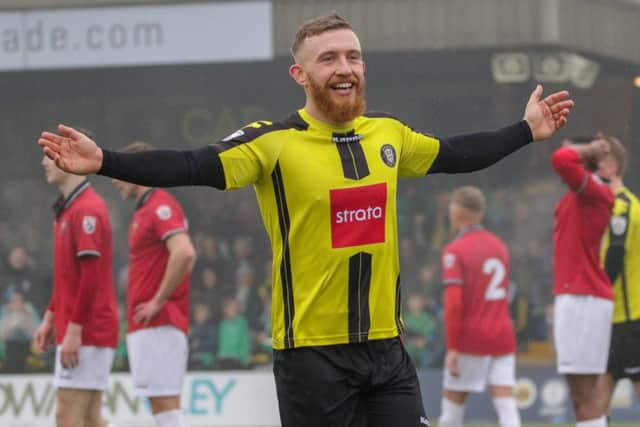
(581, 332)
(478, 371)
(158, 360)
(91, 373)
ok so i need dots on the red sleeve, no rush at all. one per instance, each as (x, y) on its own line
(89, 270)
(168, 219)
(452, 273)
(566, 163)
(89, 229)
(453, 315)
(51, 306)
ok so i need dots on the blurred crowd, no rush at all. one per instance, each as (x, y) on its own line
(231, 282)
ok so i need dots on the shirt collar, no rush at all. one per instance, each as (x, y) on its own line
(313, 122)
(469, 229)
(62, 204)
(145, 198)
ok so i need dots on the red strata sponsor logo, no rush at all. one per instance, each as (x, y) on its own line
(358, 215)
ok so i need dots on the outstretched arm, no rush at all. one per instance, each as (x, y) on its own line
(475, 151)
(77, 153)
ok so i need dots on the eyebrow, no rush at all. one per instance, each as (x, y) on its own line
(334, 52)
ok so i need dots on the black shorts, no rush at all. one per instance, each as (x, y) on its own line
(371, 384)
(624, 351)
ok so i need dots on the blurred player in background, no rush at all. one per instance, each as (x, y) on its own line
(326, 179)
(583, 303)
(621, 256)
(481, 341)
(161, 257)
(82, 310)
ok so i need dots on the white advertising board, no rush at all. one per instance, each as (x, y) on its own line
(208, 399)
(136, 35)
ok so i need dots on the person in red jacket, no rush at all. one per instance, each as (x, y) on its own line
(481, 341)
(161, 257)
(583, 296)
(82, 310)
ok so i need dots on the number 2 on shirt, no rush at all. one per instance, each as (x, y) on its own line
(495, 268)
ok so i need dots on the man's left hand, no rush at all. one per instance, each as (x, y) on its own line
(547, 115)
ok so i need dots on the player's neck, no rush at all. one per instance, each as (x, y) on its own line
(464, 226)
(67, 187)
(141, 191)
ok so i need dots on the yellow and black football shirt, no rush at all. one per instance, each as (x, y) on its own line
(621, 255)
(327, 196)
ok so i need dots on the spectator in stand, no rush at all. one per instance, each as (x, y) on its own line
(206, 289)
(21, 276)
(203, 339)
(244, 279)
(234, 340)
(213, 254)
(420, 330)
(247, 294)
(18, 321)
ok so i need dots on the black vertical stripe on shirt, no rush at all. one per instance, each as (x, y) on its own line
(622, 240)
(359, 287)
(285, 265)
(399, 307)
(354, 162)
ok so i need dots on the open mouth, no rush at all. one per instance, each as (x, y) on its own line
(343, 88)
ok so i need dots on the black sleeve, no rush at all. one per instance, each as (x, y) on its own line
(165, 168)
(474, 151)
(614, 261)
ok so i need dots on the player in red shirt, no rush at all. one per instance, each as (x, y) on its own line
(583, 296)
(481, 341)
(161, 257)
(82, 310)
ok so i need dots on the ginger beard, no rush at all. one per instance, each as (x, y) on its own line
(334, 107)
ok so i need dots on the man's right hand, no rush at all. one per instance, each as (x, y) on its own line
(42, 337)
(72, 151)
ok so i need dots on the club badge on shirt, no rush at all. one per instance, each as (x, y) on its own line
(388, 155)
(163, 212)
(89, 224)
(449, 260)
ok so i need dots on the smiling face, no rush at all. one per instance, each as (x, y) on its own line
(330, 68)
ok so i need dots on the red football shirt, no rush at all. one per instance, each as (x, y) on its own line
(581, 218)
(82, 229)
(158, 217)
(478, 261)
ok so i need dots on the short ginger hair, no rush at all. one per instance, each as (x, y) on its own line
(316, 26)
